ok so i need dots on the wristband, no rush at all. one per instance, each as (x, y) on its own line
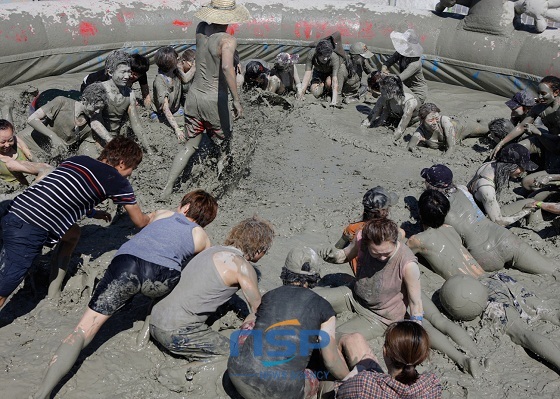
(416, 318)
(539, 204)
(91, 213)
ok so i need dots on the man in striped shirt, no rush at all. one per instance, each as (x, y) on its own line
(46, 212)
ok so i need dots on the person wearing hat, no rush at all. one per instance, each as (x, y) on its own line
(291, 310)
(491, 245)
(490, 179)
(407, 57)
(206, 104)
(520, 105)
(284, 75)
(376, 202)
(351, 72)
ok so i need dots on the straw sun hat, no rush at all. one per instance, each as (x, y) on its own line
(407, 44)
(223, 12)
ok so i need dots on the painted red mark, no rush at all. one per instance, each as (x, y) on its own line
(21, 37)
(386, 31)
(345, 29)
(307, 28)
(182, 24)
(422, 38)
(123, 16)
(232, 28)
(367, 32)
(87, 29)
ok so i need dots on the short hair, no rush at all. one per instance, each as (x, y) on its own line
(289, 277)
(392, 84)
(426, 109)
(6, 124)
(166, 58)
(122, 149)
(378, 231)
(500, 127)
(203, 207)
(116, 58)
(433, 207)
(139, 63)
(94, 93)
(254, 70)
(407, 344)
(324, 48)
(252, 236)
(188, 55)
(551, 81)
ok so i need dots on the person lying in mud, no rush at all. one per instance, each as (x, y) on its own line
(322, 69)
(407, 57)
(121, 102)
(383, 262)
(284, 75)
(506, 308)
(491, 178)
(292, 308)
(149, 263)
(443, 132)
(12, 149)
(520, 104)
(46, 212)
(63, 125)
(139, 66)
(395, 106)
(492, 246)
(210, 279)
(168, 90)
(376, 202)
(407, 345)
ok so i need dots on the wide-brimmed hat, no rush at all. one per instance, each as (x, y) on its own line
(439, 176)
(379, 198)
(407, 44)
(303, 260)
(518, 155)
(361, 48)
(223, 12)
(521, 99)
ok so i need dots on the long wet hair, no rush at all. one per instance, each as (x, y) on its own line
(324, 48)
(502, 175)
(433, 207)
(392, 84)
(407, 345)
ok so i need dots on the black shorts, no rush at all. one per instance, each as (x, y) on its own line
(127, 276)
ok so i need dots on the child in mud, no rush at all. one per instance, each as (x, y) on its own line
(294, 301)
(186, 68)
(442, 132)
(12, 149)
(46, 212)
(139, 66)
(210, 279)
(63, 125)
(284, 75)
(167, 90)
(357, 62)
(149, 263)
(394, 107)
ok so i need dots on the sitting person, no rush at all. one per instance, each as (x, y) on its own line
(442, 132)
(359, 61)
(149, 263)
(284, 75)
(490, 179)
(387, 280)
(251, 362)
(139, 66)
(12, 149)
(63, 125)
(406, 346)
(394, 107)
(167, 90)
(520, 104)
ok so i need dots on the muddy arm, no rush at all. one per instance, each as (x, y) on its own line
(409, 107)
(449, 133)
(515, 133)
(380, 109)
(487, 195)
(411, 279)
(228, 49)
(35, 122)
(171, 119)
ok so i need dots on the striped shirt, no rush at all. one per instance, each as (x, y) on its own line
(62, 197)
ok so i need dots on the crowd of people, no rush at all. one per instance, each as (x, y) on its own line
(172, 260)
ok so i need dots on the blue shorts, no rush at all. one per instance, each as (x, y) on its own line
(22, 243)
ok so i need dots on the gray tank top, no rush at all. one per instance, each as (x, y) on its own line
(200, 291)
(167, 242)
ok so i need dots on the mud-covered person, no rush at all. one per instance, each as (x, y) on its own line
(206, 105)
(149, 263)
(121, 102)
(210, 279)
(168, 86)
(351, 72)
(63, 125)
(12, 149)
(256, 74)
(139, 66)
(322, 69)
(284, 77)
(186, 67)
(47, 211)
(296, 308)
(443, 132)
(520, 105)
(395, 107)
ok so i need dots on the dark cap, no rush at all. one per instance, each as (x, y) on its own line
(439, 176)
(302, 260)
(521, 98)
(379, 198)
(517, 154)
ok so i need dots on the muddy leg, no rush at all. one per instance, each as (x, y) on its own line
(180, 163)
(61, 259)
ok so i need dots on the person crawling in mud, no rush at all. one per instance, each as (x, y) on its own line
(13, 151)
(46, 212)
(395, 107)
(63, 125)
(210, 279)
(139, 66)
(149, 263)
(443, 132)
(256, 74)
(294, 308)
(284, 75)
